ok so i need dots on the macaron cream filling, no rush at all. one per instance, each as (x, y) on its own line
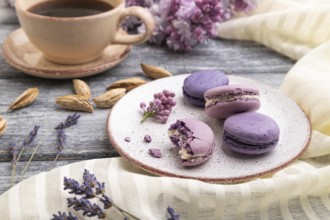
(230, 97)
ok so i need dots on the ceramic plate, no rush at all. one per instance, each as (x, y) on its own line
(224, 166)
(22, 55)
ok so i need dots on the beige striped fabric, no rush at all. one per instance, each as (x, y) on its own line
(299, 29)
(297, 192)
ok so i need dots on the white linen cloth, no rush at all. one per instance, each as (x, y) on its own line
(299, 29)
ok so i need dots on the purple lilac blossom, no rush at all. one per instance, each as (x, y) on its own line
(182, 24)
(160, 107)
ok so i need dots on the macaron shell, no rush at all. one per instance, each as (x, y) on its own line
(193, 100)
(243, 148)
(196, 84)
(250, 133)
(237, 104)
(231, 89)
(203, 143)
(252, 127)
(224, 110)
(196, 162)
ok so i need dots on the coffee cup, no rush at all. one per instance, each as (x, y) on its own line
(78, 31)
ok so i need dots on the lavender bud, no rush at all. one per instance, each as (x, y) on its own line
(100, 189)
(89, 179)
(69, 121)
(13, 151)
(61, 139)
(31, 136)
(172, 213)
(73, 186)
(107, 202)
(89, 209)
(64, 216)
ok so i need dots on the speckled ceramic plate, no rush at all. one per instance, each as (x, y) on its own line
(22, 55)
(223, 166)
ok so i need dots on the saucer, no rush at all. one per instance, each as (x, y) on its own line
(22, 55)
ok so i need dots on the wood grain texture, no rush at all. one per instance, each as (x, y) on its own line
(88, 139)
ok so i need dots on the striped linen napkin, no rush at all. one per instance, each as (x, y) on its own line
(298, 29)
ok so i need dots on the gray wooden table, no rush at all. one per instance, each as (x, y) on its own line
(88, 140)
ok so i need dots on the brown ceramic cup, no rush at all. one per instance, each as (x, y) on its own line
(75, 40)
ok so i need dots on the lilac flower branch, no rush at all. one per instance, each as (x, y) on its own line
(160, 108)
(182, 24)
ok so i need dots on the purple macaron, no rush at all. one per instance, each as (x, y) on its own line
(195, 141)
(196, 84)
(224, 101)
(250, 133)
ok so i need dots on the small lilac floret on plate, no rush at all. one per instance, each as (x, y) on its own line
(147, 138)
(155, 152)
(160, 107)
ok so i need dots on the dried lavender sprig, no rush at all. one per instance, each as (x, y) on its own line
(89, 209)
(89, 179)
(13, 151)
(74, 186)
(62, 140)
(30, 159)
(91, 188)
(69, 121)
(174, 216)
(28, 140)
(64, 216)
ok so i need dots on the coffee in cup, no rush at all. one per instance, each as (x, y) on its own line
(78, 31)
